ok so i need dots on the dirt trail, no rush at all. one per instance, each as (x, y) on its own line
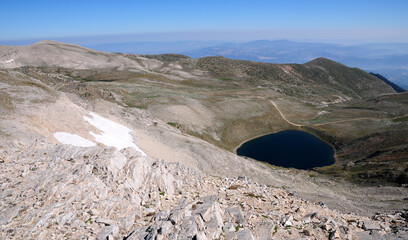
(346, 120)
(283, 116)
(358, 119)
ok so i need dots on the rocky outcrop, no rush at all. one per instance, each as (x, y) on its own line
(274, 214)
(50, 191)
(63, 192)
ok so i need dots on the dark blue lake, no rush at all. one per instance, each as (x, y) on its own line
(290, 148)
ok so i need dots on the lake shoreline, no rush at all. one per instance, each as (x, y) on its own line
(289, 148)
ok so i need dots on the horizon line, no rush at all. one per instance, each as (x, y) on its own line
(316, 36)
(81, 40)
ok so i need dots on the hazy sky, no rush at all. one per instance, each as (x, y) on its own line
(345, 21)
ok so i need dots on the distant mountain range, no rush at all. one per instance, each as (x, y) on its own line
(387, 59)
(390, 60)
(154, 47)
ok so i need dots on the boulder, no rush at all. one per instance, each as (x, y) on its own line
(370, 225)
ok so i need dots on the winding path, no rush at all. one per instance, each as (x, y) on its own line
(346, 120)
(283, 116)
(358, 119)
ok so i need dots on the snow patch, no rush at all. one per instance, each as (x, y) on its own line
(73, 139)
(113, 134)
(9, 61)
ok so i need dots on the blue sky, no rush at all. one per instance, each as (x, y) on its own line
(324, 20)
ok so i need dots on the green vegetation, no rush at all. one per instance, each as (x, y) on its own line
(400, 119)
(225, 79)
(176, 125)
(89, 220)
(161, 57)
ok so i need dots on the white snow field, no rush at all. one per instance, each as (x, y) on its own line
(113, 134)
(73, 139)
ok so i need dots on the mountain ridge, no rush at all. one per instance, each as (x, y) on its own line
(52, 53)
(83, 58)
(387, 59)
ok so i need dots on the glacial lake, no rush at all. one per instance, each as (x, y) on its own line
(290, 149)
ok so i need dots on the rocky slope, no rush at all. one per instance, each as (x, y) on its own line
(63, 192)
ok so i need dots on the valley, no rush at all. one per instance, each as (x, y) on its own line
(226, 102)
